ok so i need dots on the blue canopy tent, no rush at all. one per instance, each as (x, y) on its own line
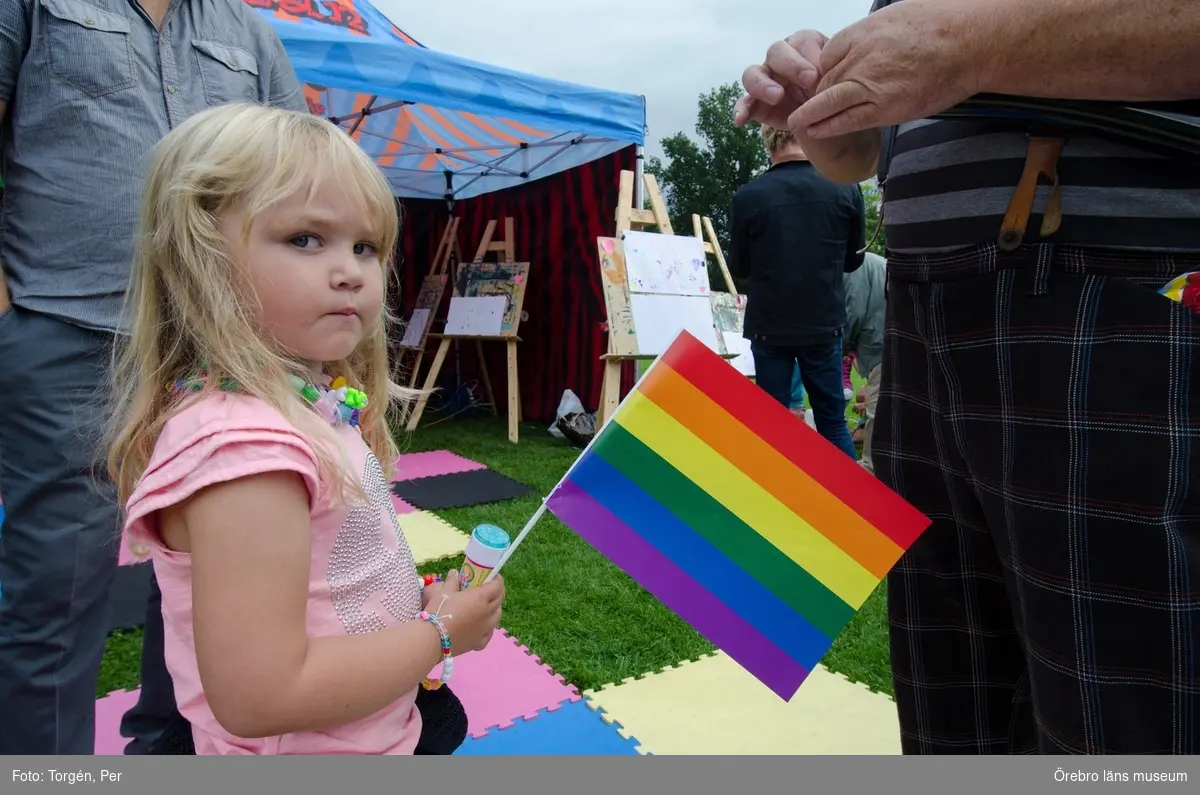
(441, 126)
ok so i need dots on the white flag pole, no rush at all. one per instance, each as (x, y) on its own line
(517, 541)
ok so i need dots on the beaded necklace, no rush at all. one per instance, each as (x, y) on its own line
(336, 401)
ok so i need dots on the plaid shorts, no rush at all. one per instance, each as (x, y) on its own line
(1042, 407)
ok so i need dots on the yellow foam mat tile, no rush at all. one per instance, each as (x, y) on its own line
(430, 537)
(714, 707)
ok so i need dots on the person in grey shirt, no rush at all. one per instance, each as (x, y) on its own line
(866, 318)
(87, 88)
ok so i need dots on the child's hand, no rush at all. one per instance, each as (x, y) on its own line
(432, 594)
(471, 616)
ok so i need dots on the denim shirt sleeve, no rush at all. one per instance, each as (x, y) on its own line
(285, 90)
(14, 43)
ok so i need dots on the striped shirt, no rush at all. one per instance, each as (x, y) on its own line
(91, 87)
(947, 184)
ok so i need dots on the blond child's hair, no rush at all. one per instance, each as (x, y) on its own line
(190, 311)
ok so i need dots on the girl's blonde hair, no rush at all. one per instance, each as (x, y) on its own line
(191, 313)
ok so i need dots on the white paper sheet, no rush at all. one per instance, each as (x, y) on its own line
(476, 316)
(665, 264)
(736, 343)
(415, 328)
(658, 319)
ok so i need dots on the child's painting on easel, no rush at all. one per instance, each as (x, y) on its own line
(504, 279)
(729, 311)
(667, 282)
(485, 305)
(429, 298)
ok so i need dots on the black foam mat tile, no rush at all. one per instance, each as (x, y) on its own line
(459, 489)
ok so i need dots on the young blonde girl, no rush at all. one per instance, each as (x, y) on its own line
(252, 449)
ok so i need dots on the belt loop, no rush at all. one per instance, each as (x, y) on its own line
(1044, 252)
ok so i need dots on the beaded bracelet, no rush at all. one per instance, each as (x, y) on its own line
(447, 657)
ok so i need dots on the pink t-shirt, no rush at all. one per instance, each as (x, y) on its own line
(362, 577)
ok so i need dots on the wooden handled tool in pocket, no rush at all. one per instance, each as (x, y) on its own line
(1041, 159)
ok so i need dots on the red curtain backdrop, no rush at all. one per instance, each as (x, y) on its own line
(556, 221)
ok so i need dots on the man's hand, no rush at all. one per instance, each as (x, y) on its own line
(781, 85)
(783, 82)
(905, 62)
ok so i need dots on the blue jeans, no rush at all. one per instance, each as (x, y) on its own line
(821, 371)
(797, 398)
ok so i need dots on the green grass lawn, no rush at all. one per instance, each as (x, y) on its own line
(578, 612)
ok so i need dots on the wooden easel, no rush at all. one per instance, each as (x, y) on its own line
(448, 252)
(506, 253)
(713, 246)
(630, 218)
(635, 218)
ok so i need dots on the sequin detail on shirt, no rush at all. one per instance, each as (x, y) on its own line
(365, 575)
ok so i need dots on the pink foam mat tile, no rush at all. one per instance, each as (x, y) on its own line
(503, 682)
(498, 685)
(109, 711)
(411, 466)
(401, 506)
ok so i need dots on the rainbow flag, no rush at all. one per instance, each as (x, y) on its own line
(735, 514)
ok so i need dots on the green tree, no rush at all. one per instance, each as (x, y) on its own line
(701, 177)
(873, 201)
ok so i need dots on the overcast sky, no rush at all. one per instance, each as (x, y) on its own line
(667, 50)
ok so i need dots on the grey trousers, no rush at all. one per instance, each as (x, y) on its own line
(872, 394)
(59, 541)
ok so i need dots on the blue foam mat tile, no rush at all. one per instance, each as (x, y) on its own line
(571, 730)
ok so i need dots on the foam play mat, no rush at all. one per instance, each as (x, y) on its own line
(435, 462)
(430, 537)
(516, 705)
(713, 706)
(572, 730)
(109, 710)
(505, 682)
(503, 688)
(401, 506)
(459, 489)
